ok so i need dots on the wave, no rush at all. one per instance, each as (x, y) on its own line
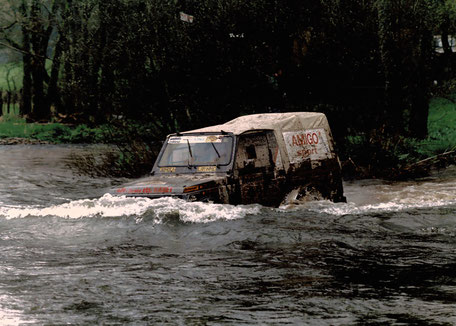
(121, 206)
(369, 197)
(380, 197)
(352, 209)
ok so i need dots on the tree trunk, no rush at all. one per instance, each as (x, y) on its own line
(421, 96)
(387, 30)
(53, 97)
(1, 102)
(39, 42)
(8, 102)
(26, 92)
(445, 42)
(447, 52)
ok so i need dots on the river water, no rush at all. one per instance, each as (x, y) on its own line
(72, 254)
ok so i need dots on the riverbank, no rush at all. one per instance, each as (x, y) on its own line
(22, 141)
(374, 155)
(362, 155)
(15, 130)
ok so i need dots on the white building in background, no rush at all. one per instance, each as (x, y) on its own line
(439, 45)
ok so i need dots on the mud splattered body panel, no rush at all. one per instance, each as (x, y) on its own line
(263, 159)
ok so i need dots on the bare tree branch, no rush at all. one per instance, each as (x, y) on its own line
(22, 51)
(8, 26)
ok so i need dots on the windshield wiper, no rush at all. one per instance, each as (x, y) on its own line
(218, 154)
(191, 155)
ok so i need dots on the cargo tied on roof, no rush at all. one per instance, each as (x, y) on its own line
(266, 158)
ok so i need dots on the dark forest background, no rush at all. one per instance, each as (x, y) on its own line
(371, 66)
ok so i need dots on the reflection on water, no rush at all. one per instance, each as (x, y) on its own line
(72, 254)
(41, 175)
(10, 317)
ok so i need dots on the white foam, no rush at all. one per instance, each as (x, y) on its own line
(112, 206)
(386, 198)
(352, 208)
(362, 198)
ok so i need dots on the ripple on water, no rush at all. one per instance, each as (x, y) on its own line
(386, 257)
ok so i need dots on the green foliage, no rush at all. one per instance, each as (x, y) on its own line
(14, 111)
(11, 76)
(380, 155)
(444, 15)
(14, 127)
(137, 148)
(135, 64)
(134, 154)
(366, 59)
(442, 127)
(405, 41)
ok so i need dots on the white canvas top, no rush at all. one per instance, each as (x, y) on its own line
(279, 122)
(301, 136)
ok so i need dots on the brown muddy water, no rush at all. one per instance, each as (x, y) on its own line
(72, 254)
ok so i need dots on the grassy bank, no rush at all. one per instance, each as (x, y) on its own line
(363, 156)
(13, 127)
(375, 155)
(442, 127)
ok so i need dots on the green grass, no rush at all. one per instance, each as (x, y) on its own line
(441, 127)
(11, 126)
(441, 132)
(396, 157)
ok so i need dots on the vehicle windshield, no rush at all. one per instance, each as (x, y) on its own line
(197, 150)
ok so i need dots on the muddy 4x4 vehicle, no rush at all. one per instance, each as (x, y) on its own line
(261, 158)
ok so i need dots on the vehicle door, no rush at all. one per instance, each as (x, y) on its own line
(255, 168)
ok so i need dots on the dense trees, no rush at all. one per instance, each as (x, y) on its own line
(405, 37)
(368, 64)
(34, 20)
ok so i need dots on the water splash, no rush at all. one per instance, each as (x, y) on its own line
(368, 197)
(380, 197)
(115, 206)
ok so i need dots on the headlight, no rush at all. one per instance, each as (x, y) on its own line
(193, 188)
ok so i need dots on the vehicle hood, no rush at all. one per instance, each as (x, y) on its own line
(163, 185)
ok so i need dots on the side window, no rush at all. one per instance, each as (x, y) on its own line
(251, 152)
(254, 151)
